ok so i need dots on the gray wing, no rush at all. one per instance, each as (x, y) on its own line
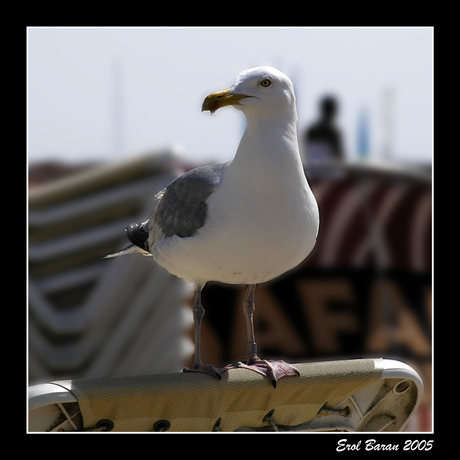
(182, 208)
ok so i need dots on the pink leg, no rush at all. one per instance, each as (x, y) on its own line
(198, 366)
(273, 370)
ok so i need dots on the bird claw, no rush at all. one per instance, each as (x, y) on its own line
(208, 369)
(273, 370)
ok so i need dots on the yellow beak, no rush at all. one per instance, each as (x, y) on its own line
(220, 99)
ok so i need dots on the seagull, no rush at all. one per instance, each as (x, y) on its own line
(246, 221)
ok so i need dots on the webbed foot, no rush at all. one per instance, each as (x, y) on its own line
(273, 370)
(209, 369)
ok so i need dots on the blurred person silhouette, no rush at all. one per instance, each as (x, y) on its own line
(323, 140)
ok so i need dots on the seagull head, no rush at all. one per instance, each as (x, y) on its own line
(261, 91)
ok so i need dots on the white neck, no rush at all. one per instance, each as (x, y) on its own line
(269, 147)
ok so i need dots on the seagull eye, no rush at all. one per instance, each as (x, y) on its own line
(265, 83)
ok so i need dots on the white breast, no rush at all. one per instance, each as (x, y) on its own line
(262, 220)
(253, 233)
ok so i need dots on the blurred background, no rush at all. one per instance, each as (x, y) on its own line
(114, 115)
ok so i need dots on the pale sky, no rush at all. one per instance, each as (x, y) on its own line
(110, 93)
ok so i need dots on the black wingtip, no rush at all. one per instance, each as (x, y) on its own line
(138, 234)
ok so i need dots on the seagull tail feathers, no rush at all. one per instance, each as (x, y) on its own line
(131, 249)
(138, 235)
